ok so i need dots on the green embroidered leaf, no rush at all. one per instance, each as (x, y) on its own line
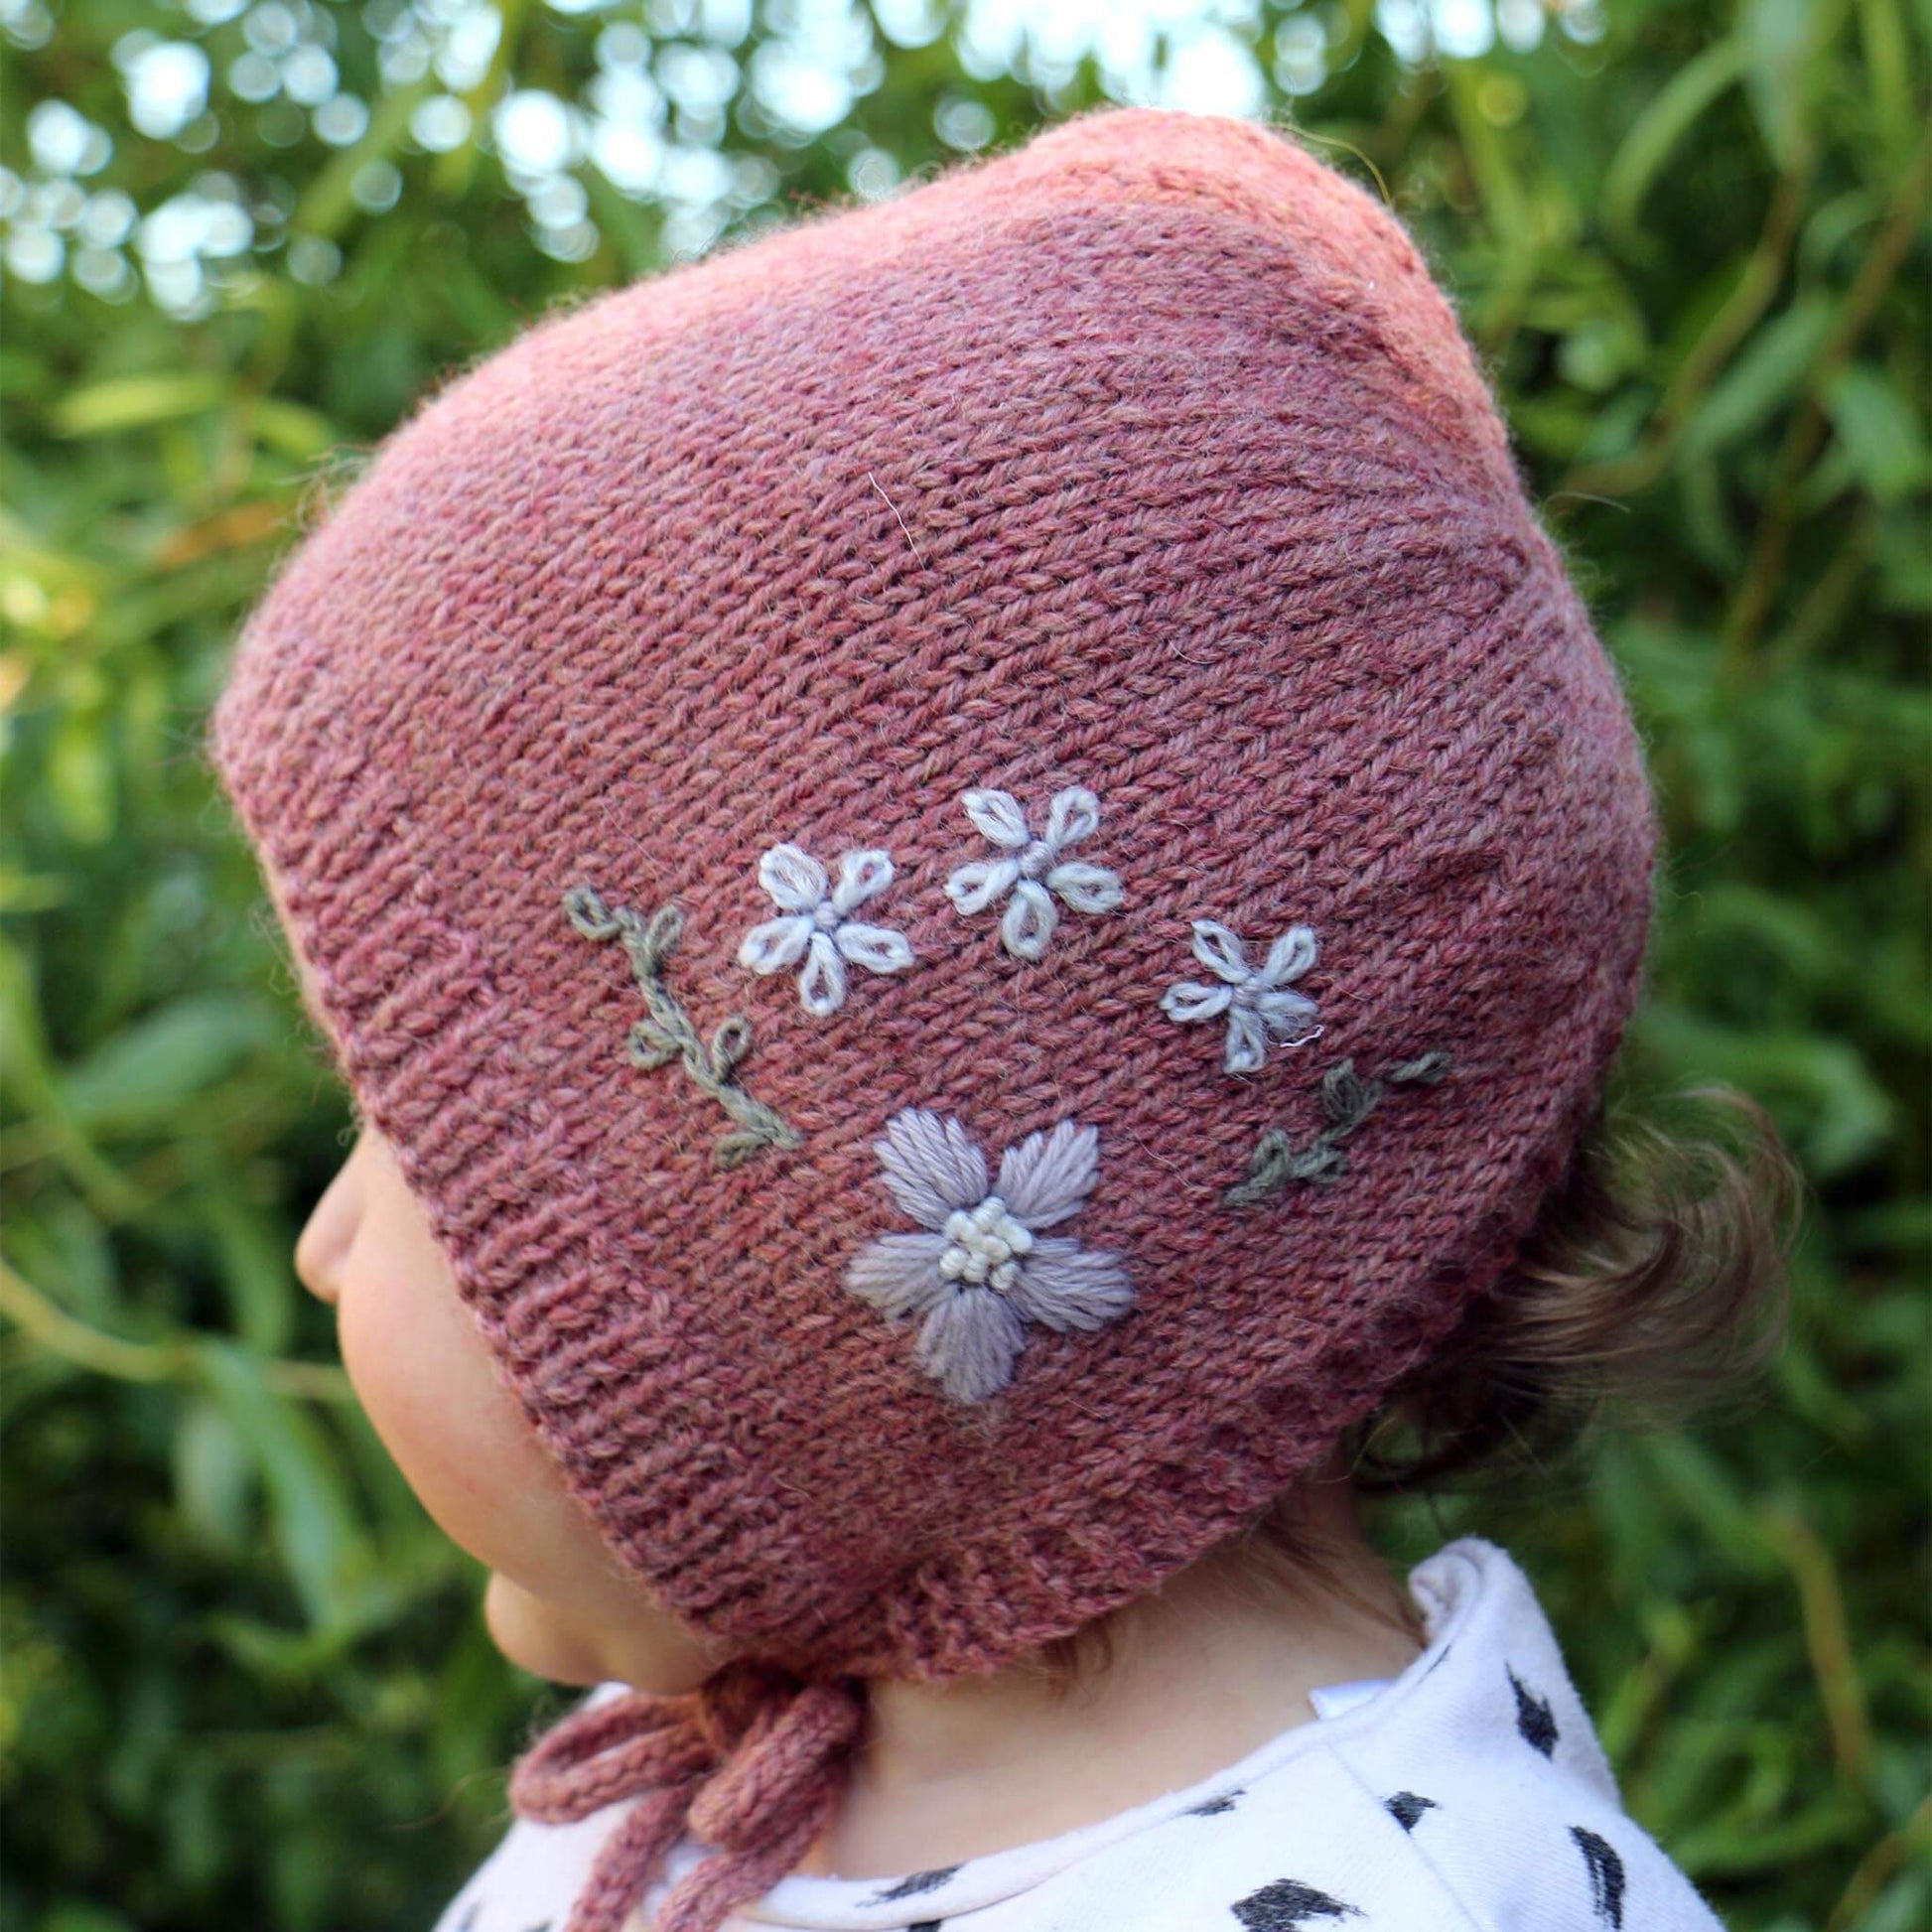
(650, 1046)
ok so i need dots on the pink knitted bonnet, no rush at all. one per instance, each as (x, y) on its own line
(982, 867)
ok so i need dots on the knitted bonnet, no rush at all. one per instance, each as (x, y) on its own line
(982, 867)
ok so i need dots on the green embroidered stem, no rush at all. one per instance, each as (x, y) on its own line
(668, 1035)
(1347, 1101)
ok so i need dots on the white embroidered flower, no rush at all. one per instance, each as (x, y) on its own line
(818, 926)
(1256, 1001)
(1034, 871)
(982, 1269)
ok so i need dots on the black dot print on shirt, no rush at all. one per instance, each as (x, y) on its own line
(1534, 1718)
(1214, 1806)
(1287, 1906)
(1405, 1808)
(926, 1925)
(920, 1881)
(1606, 1875)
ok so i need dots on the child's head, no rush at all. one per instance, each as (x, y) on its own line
(977, 868)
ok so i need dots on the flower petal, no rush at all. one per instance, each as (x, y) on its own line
(969, 1343)
(1220, 952)
(1085, 888)
(861, 875)
(1247, 1041)
(1028, 920)
(1065, 1286)
(793, 878)
(876, 947)
(998, 815)
(975, 886)
(1290, 956)
(1073, 813)
(1189, 999)
(1048, 1176)
(899, 1274)
(774, 945)
(821, 986)
(1285, 1014)
(931, 1166)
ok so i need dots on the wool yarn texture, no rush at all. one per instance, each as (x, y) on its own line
(866, 813)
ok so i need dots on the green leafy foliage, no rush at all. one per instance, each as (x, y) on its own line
(245, 1678)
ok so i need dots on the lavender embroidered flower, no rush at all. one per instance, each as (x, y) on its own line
(1257, 1002)
(1035, 869)
(982, 1269)
(818, 924)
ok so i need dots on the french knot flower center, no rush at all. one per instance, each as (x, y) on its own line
(1039, 857)
(985, 1244)
(826, 915)
(1247, 994)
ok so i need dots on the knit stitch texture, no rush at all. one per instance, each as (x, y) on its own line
(1146, 458)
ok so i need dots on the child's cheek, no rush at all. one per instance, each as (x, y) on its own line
(425, 1380)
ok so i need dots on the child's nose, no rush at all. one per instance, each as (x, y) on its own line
(324, 1245)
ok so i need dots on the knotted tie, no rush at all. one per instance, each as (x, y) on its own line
(749, 1763)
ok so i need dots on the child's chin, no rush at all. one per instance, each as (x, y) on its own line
(535, 1637)
(649, 1651)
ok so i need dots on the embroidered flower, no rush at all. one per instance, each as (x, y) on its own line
(1034, 871)
(1256, 1001)
(982, 1269)
(818, 926)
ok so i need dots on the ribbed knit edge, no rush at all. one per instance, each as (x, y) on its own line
(421, 1028)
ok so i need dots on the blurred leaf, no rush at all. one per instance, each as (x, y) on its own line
(139, 401)
(1665, 120)
(1709, 1495)
(30, 1082)
(1842, 1114)
(328, 1559)
(1798, 935)
(1889, 72)
(1905, 1905)
(1905, 1225)
(258, 1271)
(82, 780)
(1880, 432)
(214, 1475)
(71, 1916)
(1767, 375)
(160, 1063)
(293, 430)
(1782, 71)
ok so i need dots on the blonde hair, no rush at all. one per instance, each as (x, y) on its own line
(1653, 1282)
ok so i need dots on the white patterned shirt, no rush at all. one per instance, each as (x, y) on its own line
(1469, 1794)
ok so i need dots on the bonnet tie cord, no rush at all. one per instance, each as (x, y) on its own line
(751, 1764)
